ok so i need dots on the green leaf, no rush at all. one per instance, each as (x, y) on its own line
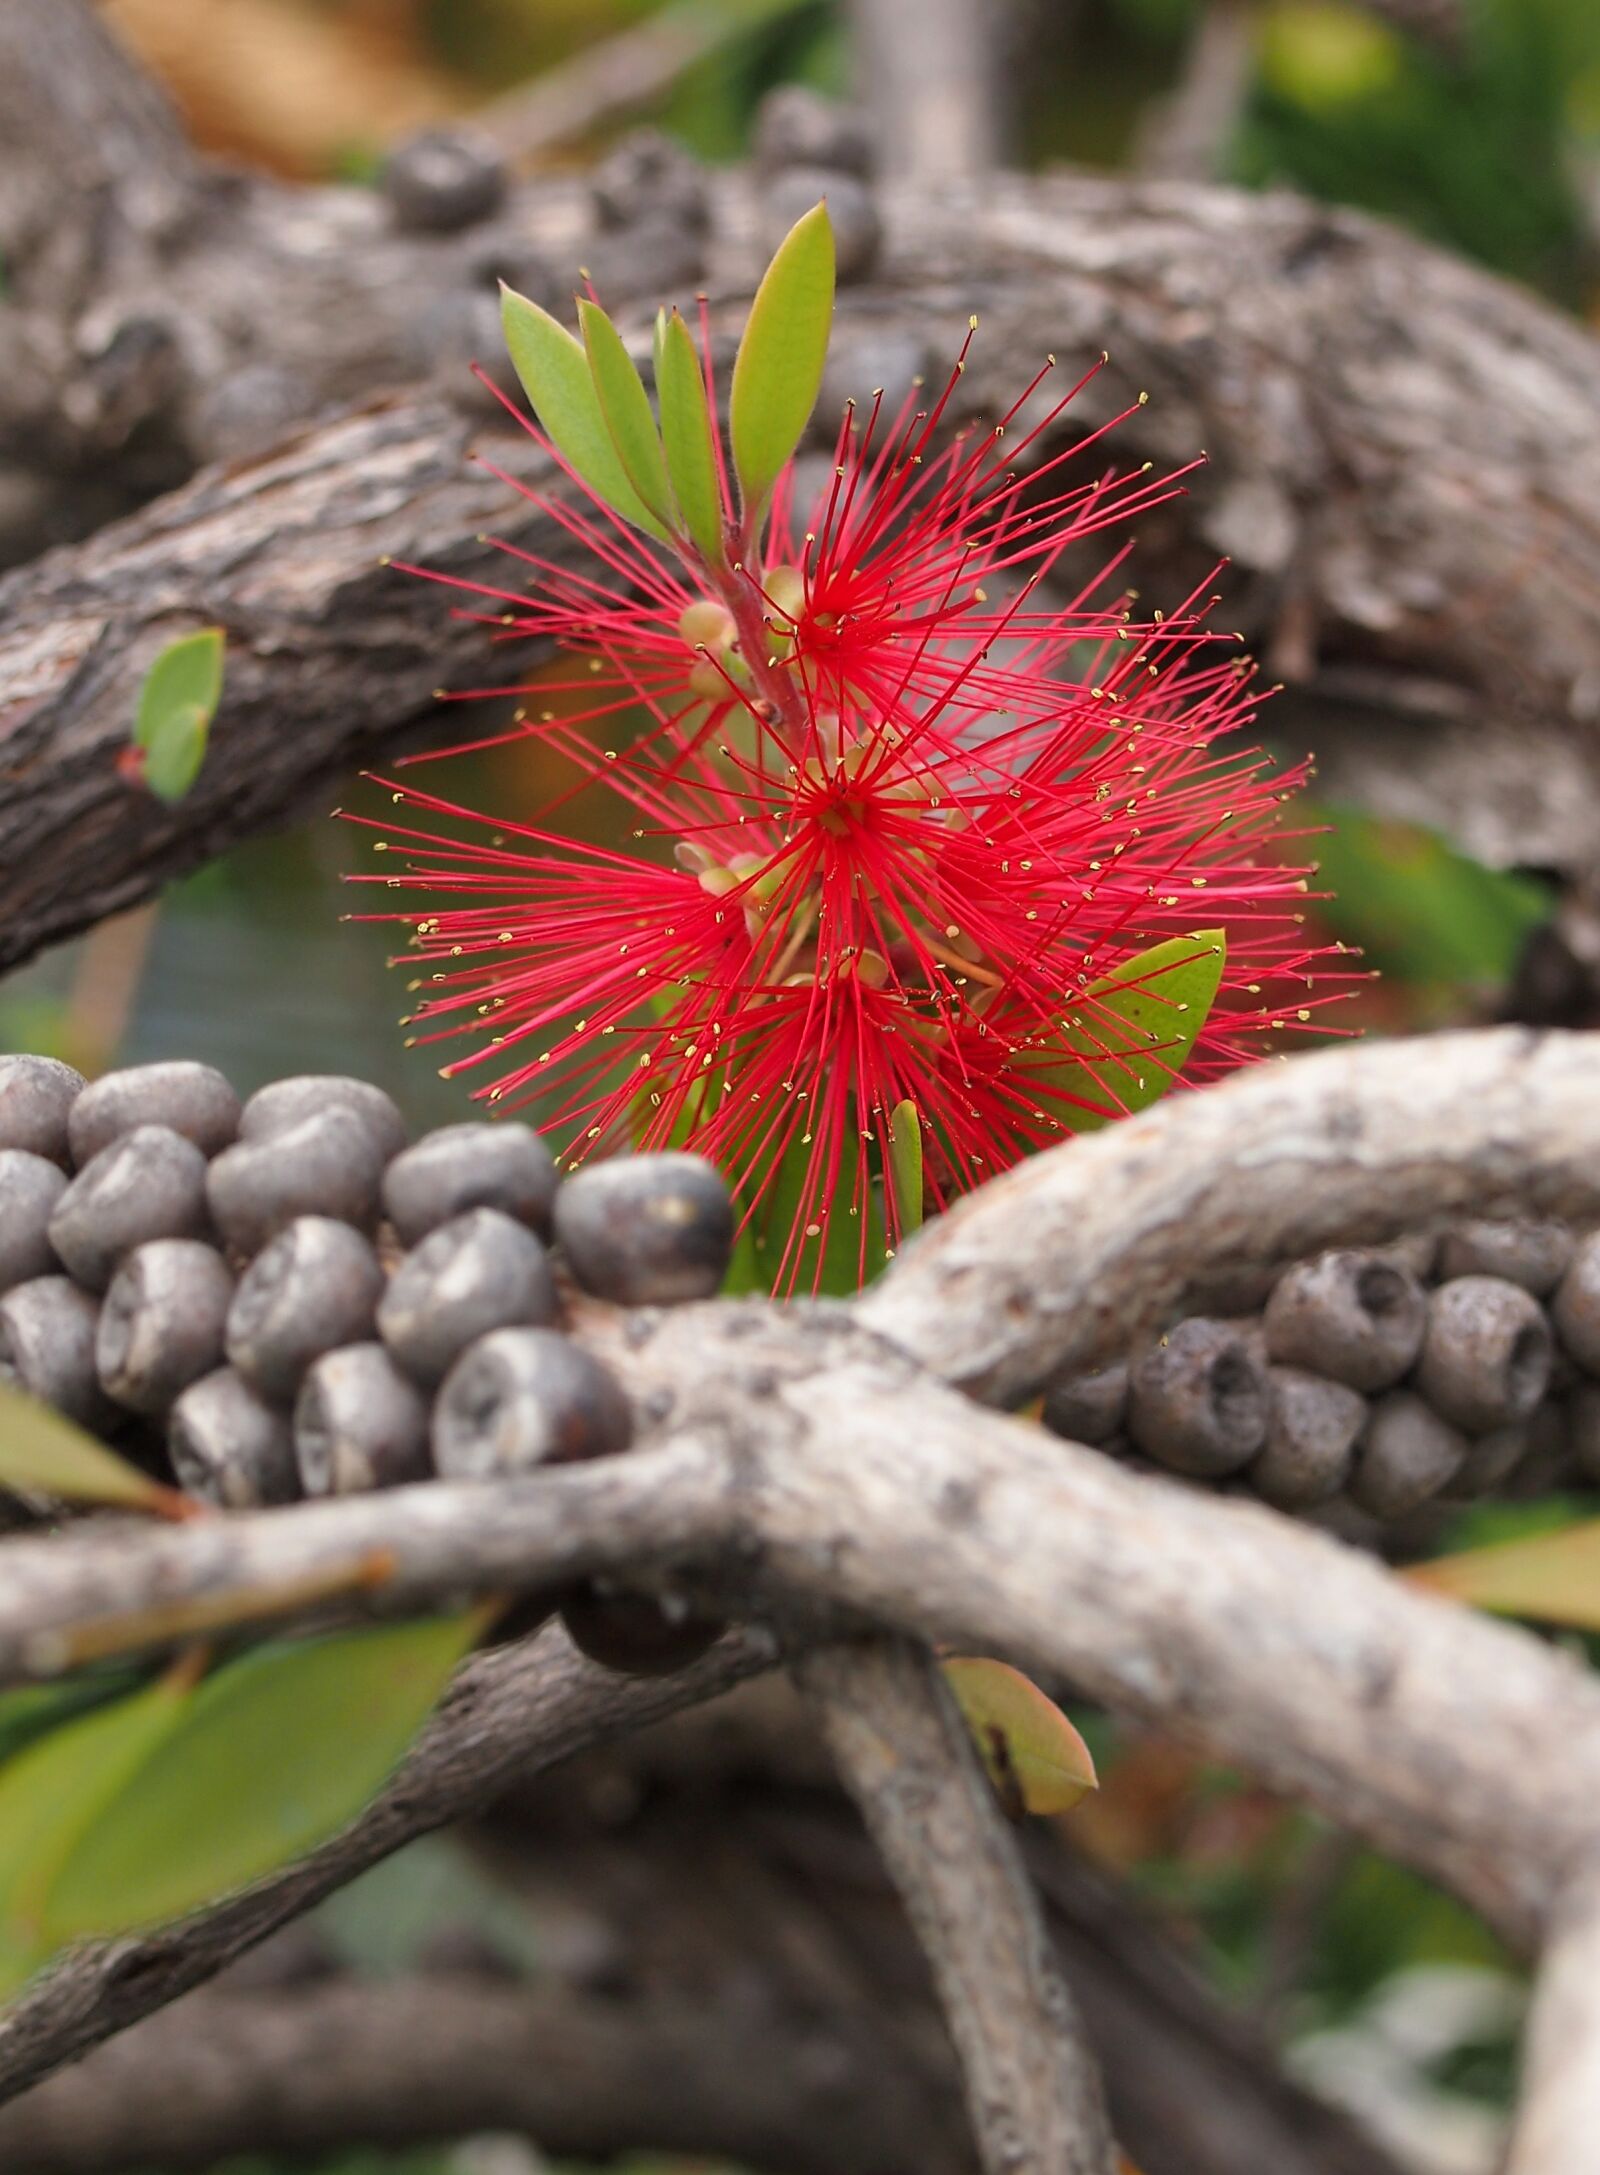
(625, 405)
(1036, 1759)
(274, 1753)
(686, 432)
(1135, 1030)
(39, 1450)
(554, 370)
(777, 373)
(905, 1167)
(55, 1793)
(177, 702)
(1554, 1579)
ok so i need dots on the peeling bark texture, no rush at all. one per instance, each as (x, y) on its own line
(1402, 465)
(908, 1760)
(510, 1712)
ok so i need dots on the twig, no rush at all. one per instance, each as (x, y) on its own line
(907, 1758)
(1559, 2116)
(518, 1709)
(1186, 134)
(932, 82)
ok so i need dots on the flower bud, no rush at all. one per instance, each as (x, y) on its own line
(162, 1323)
(1199, 1400)
(316, 1286)
(47, 1331)
(525, 1397)
(30, 1187)
(229, 1446)
(1575, 1308)
(1356, 1317)
(481, 1271)
(1409, 1453)
(1088, 1407)
(504, 1166)
(359, 1424)
(706, 624)
(283, 1105)
(328, 1164)
(1312, 1430)
(1486, 1353)
(646, 1230)
(148, 1184)
(1534, 1255)
(194, 1100)
(36, 1099)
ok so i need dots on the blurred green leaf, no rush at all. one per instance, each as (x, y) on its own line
(1420, 911)
(777, 373)
(40, 1450)
(1135, 1030)
(177, 702)
(553, 368)
(1554, 1579)
(1035, 1757)
(625, 405)
(274, 1753)
(687, 433)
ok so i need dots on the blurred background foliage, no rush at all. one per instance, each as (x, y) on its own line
(1476, 123)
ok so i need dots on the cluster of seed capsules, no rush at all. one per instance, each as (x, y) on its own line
(285, 1297)
(1375, 1381)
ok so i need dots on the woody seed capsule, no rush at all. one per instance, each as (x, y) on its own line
(1534, 1255)
(1408, 1454)
(1199, 1400)
(194, 1100)
(1583, 1431)
(469, 1166)
(229, 1446)
(1575, 1309)
(284, 1105)
(161, 1326)
(316, 1286)
(1313, 1426)
(634, 1633)
(1356, 1317)
(359, 1424)
(1089, 1408)
(30, 1187)
(325, 1165)
(148, 1184)
(47, 1331)
(481, 1271)
(36, 1099)
(646, 1230)
(525, 1397)
(1490, 1461)
(1486, 1353)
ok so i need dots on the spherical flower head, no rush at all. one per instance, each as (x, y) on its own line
(913, 839)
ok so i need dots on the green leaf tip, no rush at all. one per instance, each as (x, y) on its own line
(777, 373)
(552, 366)
(177, 701)
(689, 437)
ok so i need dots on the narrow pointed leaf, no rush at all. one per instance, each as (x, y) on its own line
(275, 1752)
(39, 1450)
(905, 1167)
(554, 371)
(625, 405)
(1135, 1030)
(53, 1794)
(1554, 1579)
(1036, 1759)
(777, 373)
(686, 432)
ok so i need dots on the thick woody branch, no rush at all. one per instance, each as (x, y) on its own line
(511, 1711)
(1351, 386)
(1558, 2117)
(907, 1759)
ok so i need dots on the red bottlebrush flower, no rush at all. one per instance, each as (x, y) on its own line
(935, 837)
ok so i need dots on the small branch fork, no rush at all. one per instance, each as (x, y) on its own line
(812, 1459)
